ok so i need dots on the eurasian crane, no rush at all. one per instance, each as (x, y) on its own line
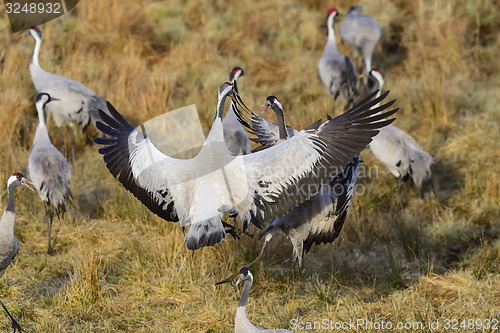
(75, 103)
(259, 186)
(361, 32)
(401, 153)
(336, 70)
(319, 219)
(241, 322)
(9, 246)
(48, 169)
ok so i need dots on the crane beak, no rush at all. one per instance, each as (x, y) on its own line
(28, 184)
(227, 280)
(266, 105)
(54, 99)
(239, 280)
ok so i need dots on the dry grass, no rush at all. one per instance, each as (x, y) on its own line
(120, 269)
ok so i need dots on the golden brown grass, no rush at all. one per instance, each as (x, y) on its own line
(120, 269)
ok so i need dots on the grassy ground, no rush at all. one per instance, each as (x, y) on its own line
(120, 269)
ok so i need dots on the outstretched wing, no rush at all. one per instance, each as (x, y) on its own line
(282, 177)
(136, 163)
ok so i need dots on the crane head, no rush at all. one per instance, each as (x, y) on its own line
(270, 101)
(19, 179)
(236, 73)
(34, 32)
(355, 9)
(226, 89)
(44, 98)
(376, 76)
(245, 274)
(332, 11)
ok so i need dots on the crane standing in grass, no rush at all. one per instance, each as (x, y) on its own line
(9, 246)
(401, 153)
(362, 33)
(241, 322)
(49, 170)
(336, 70)
(72, 103)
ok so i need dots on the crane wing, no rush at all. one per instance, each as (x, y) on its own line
(342, 191)
(136, 163)
(266, 133)
(282, 177)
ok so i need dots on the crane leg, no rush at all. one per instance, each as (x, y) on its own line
(235, 232)
(49, 219)
(402, 184)
(231, 230)
(72, 143)
(15, 324)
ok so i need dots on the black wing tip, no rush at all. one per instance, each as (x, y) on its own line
(101, 126)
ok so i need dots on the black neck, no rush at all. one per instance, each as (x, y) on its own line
(10, 201)
(220, 107)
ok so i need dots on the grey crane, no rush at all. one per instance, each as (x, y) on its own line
(235, 136)
(48, 169)
(258, 186)
(318, 220)
(361, 32)
(75, 104)
(401, 153)
(241, 322)
(9, 246)
(336, 70)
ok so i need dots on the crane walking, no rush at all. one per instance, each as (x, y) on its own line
(49, 170)
(9, 246)
(401, 153)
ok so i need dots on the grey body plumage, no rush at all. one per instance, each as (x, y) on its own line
(362, 33)
(401, 153)
(336, 70)
(49, 170)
